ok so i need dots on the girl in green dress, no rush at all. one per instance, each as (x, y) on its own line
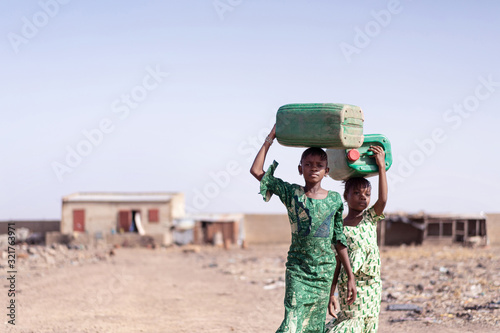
(315, 216)
(360, 228)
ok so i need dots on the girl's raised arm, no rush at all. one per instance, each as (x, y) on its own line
(257, 169)
(379, 155)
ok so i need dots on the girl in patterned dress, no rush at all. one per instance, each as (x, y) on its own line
(360, 228)
(315, 217)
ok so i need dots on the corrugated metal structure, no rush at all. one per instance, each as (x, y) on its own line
(421, 228)
(219, 229)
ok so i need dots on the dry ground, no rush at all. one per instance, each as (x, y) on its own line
(213, 290)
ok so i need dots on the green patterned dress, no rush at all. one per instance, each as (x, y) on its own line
(364, 256)
(316, 226)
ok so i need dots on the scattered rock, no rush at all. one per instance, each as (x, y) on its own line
(39, 257)
(460, 284)
(191, 249)
(404, 307)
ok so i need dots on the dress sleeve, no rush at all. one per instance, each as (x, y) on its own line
(372, 216)
(270, 185)
(338, 224)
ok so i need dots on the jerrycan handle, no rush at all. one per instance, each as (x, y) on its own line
(364, 164)
(370, 153)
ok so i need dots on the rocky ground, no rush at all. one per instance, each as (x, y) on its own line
(188, 289)
(450, 286)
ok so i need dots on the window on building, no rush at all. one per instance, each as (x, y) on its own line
(473, 228)
(447, 229)
(153, 216)
(433, 229)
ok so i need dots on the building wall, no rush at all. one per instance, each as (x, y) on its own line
(493, 228)
(267, 229)
(103, 216)
(178, 206)
(272, 228)
(33, 226)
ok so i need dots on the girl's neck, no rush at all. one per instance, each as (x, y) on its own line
(314, 191)
(353, 217)
(354, 213)
(313, 187)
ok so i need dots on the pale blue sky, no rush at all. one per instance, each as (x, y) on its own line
(218, 80)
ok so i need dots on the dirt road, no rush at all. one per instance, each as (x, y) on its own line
(169, 290)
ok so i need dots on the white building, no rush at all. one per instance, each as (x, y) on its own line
(112, 213)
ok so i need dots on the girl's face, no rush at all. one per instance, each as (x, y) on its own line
(358, 198)
(313, 168)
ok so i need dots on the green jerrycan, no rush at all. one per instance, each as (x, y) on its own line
(347, 163)
(329, 125)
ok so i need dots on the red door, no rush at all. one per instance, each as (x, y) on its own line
(124, 220)
(79, 220)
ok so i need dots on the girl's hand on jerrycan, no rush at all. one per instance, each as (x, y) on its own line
(378, 155)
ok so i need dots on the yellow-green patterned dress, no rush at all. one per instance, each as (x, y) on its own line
(364, 256)
(316, 225)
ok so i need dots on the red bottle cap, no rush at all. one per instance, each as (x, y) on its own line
(353, 155)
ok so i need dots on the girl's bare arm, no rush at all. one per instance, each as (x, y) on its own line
(257, 169)
(333, 305)
(379, 156)
(351, 283)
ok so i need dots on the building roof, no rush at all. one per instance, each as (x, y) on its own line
(434, 216)
(119, 197)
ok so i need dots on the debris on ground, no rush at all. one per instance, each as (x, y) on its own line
(430, 284)
(404, 307)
